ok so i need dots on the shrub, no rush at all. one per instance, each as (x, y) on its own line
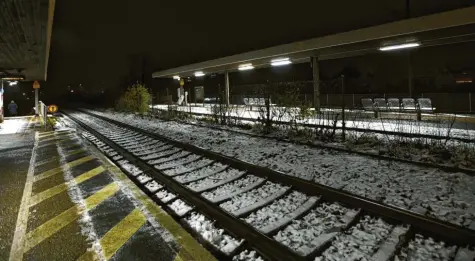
(136, 99)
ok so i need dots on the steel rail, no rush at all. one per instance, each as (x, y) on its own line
(470, 172)
(234, 225)
(441, 229)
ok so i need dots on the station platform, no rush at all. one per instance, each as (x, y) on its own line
(63, 200)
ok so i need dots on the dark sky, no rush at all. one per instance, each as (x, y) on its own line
(94, 40)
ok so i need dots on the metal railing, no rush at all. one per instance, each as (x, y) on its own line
(444, 102)
(43, 113)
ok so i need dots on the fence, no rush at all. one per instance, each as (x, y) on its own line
(443, 102)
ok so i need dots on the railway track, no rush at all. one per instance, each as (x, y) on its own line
(449, 168)
(242, 211)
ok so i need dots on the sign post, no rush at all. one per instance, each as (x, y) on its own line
(36, 86)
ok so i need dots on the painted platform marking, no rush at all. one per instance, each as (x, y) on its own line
(59, 169)
(115, 238)
(37, 198)
(190, 248)
(52, 226)
(16, 252)
(122, 232)
(74, 152)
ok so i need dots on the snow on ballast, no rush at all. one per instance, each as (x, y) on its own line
(296, 220)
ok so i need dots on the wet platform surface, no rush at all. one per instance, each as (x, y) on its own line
(63, 200)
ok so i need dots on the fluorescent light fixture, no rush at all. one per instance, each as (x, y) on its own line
(280, 62)
(245, 67)
(199, 74)
(13, 83)
(176, 77)
(13, 78)
(399, 46)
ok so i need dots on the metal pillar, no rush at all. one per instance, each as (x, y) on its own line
(1, 101)
(409, 73)
(316, 83)
(226, 87)
(470, 101)
(343, 123)
(36, 102)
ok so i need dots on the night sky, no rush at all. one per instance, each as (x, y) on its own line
(99, 41)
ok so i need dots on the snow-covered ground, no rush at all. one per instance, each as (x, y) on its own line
(444, 195)
(247, 255)
(267, 218)
(360, 242)
(180, 207)
(370, 239)
(241, 202)
(232, 189)
(13, 125)
(367, 123)
(165, 196)
(306, 234)
(213, 235)
(421, 248)
(215, 180)
(196, 171)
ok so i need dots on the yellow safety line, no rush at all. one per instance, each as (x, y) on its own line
(184, 256)
(120, 233)
(70, 153)
(59, 169)
(35, 199)
(16, 251)
(88, 256)
(96, 199)
(190, 247)
(117, 236)
(53, 225)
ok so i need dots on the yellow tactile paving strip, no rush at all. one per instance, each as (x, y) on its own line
(28, 239)
(191, 249)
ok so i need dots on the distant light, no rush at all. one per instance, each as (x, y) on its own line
(13, 83)
(399, 46)
(13, 78)
(176, 77)
(245, 67)
(463, 81)
(24, 94)
(199, 74)
(72, 90)
(280, 62)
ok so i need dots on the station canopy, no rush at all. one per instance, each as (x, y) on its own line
(25, 37)
(432, 30)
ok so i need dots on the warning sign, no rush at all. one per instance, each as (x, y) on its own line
(36, 85)
(52, 108)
